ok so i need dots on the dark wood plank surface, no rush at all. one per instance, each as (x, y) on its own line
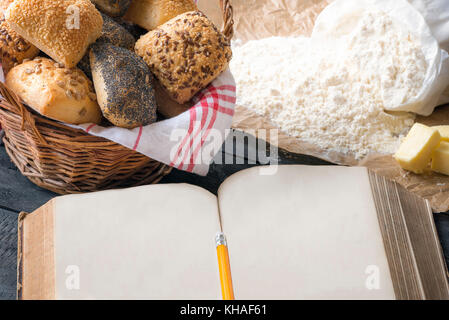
(8, 254)
(18, 194)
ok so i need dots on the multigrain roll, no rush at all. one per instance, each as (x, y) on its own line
(113, 8)
(13, 48)
(124, 86)
(112, 33)
(150, 14)
(54, 91)
(185, 54)
(52, 26)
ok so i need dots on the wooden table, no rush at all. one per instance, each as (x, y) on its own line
(18, 194)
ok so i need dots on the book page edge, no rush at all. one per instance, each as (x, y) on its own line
(41, 240)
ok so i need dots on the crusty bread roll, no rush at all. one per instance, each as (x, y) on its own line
(13, 48)
(124, 86)
(185, 54)
(150, 14)
(51, 25)
(112, 33)
(54, 91)
(113, 8)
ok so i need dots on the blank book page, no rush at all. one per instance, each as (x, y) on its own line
(304, 233)
(151, 242)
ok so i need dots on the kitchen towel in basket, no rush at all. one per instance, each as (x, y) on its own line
(188, 141)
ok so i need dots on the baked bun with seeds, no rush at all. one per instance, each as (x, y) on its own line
(185, 54)
(54, 91)
(112, 33)
(124, 86)
(13, 48)
(113, 8)
(48, 25)
(115, 34)
(150, 14)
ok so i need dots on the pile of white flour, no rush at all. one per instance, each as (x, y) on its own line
(335, 97)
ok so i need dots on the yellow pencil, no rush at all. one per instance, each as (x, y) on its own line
(224, 267)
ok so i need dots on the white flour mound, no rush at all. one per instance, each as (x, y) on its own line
(335, 97)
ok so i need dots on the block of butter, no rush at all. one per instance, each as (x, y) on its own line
(440, 158)
(416, 150)
(444, 132)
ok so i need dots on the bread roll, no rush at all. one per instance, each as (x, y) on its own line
(112, 33)
(124, 86)
(166, 106)
(13, 48)
(52, 26)
(113, 8)
(185, 54)
(55, 92)
(150, 14)
(115, 34)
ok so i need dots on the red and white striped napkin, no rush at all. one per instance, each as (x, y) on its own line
(189, 141)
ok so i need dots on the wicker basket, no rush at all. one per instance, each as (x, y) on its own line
(67, 160)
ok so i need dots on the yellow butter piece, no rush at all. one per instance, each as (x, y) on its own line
(440, 158)
(444, 132)
(415, 152)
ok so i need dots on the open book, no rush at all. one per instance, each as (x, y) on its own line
(303, 233)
